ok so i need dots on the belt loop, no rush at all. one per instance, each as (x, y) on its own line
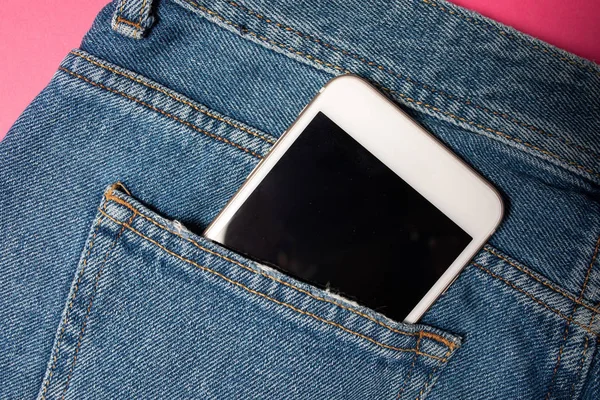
(132, 18)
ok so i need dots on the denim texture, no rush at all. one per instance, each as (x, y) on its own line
(103, 295)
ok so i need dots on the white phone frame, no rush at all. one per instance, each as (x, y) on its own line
(407, 149)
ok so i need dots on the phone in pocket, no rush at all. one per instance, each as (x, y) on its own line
(357, 197)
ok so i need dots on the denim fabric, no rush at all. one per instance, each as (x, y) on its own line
(103, 294)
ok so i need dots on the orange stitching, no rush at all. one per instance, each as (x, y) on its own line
(211, 271)
(142, 13)
(127, 22)
(195, 107)
(412, 367)
(430, 378)
(433, 336)
(430, 335)
(512, 37)
(402, 95)
(409, 79)
(587, 329)
(89, 307)
(567, 295)
(111, 197)
(119, 185)
(120, 12)
(70, 306)
(188, 124)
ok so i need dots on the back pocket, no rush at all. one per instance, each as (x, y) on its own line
(157, 311)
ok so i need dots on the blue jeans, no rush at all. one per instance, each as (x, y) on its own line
(108, 291)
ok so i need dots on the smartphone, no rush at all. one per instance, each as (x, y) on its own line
(358, 198)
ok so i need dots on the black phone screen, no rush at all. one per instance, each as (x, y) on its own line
(331, 214)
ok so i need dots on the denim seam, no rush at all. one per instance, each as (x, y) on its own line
(110, 197)
(89, 307)
(535, 299)
(566, 335)
(122, 7)
(507, 35)
(409, 373)
(409, 79)
(300, 311)
(564, 342)
(488, 249)
(582, 362)
(72, 298)
(174, 117)
(312, 58)
(142, 13)
(174, 97)
(121, 20)
(429, 380)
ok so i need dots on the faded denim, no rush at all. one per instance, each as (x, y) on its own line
(107, 291)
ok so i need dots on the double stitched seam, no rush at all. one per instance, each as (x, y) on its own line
(412, 367)
(245, 31)
(119, 15)
(178, 99)
(582, 362)
(430, 378)
(122, 20)
(566, 335)
(174, 117)
(449, 344)
(291, 307)
(407, 78)
(142, 12)
(90, 304)
(512, 37)
(56, 355)
(532, 297)
(545, 283)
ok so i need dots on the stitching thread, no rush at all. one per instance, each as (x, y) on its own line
(560, 352)
(512, 37)
(448, 343)
(524, 270)
(176, 98)
(565, 337)
(408, 78)
(429, 379)
(589, 271)
(56, 355)
(120, 12)
(412, 367)
(142, 13)
(557, 312)
(580, 369)
(89, 307)
(211, 271)
(174, 117)
(122, 20)
(245, 30)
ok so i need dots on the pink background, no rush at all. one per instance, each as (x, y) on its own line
(35, 36)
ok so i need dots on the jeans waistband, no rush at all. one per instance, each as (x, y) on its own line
(442, 60)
